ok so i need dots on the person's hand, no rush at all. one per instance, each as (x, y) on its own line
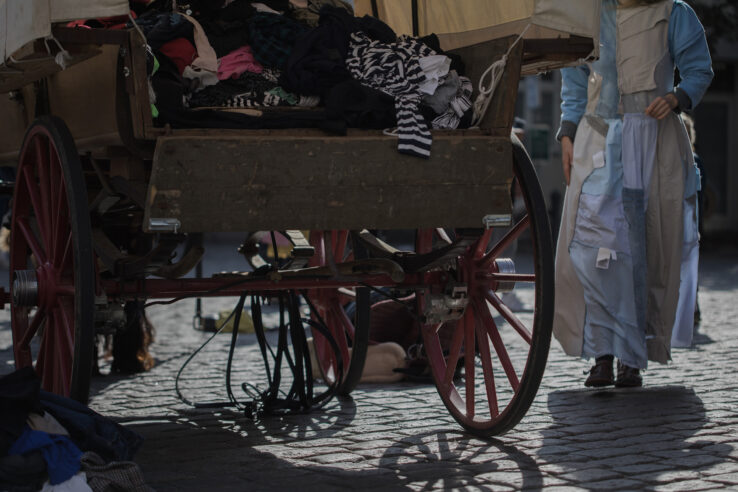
(662, 106)
(567, 156)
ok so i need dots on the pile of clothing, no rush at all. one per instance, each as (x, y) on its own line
(220, 63)
(51, 443)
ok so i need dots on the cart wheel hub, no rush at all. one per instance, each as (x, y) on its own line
(25, 288)
(505, 266)
(35, 287)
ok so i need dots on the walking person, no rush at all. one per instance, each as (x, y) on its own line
(630, 205)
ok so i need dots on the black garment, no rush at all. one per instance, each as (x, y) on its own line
(229, 28)
(239, 10)
(160, 28)
(318, 60)
(278, 5)
(168, 84)
(23, 472)
(90, 431)
(273, 37)
(284, 118)
(433, 43)
(360, 106)
(226, 36)
(18, 397)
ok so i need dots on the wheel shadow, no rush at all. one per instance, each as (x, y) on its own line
(625, 434)
(224, 451)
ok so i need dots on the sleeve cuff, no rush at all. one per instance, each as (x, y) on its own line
(685, 103)
(567, 129)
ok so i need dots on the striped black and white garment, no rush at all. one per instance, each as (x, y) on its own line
(394, 69)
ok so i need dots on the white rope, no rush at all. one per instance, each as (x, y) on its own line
(63, 57)
(138, 28)
(495, 71)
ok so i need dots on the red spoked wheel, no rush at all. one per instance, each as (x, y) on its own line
(51, 262)
(345, 312)
(502, 348)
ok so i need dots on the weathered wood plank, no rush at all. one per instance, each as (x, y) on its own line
(236, 184)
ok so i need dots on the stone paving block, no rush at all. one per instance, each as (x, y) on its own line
(686, 485)
(590, 475)
(620, 484)
(643, 469)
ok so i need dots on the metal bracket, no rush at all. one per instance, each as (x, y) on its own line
(498, 220)
(164, 225)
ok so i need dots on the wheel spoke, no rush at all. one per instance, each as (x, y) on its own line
(469, 355)
(453, 355)
(31, 241)
(424, 241)
(338, 329)
(35, 197)
(489, 376)
(339, 246)
(481, 245)
(65, 356)
(506, 241)
(43, 366)
(509, 316)
(66, 256)
(66, 328)
(317, 241)
(60, 223)
(33, 327)
(494, 335)
(43, 162)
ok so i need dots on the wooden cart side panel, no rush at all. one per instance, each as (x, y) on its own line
(14, 124)
(84, 97)
(237, 184)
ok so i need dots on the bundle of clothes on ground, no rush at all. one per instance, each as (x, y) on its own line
(54, 444)
(220, 63)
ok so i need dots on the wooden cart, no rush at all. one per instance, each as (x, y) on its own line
(103, 198)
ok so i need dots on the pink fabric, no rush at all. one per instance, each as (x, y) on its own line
(237, 62)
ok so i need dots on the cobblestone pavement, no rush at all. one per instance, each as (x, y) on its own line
(679, 432)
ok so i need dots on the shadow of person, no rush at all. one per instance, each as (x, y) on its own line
(625, 434)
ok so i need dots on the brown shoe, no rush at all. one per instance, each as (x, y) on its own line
(628, 377)
(600, 374)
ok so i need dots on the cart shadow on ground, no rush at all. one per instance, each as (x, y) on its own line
(225, 451)
(643, 432)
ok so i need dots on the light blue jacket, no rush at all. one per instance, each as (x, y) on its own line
(687, 46)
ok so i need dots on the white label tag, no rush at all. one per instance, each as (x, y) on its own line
(603, 258)
(598, 160)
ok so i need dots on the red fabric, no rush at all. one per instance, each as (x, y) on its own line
(180, 51)
(117, 22)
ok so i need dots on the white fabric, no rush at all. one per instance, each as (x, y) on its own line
(22, 21)
(46, 423)
(435, 67)
(78, 483)
(474, 17)
(640, 134)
